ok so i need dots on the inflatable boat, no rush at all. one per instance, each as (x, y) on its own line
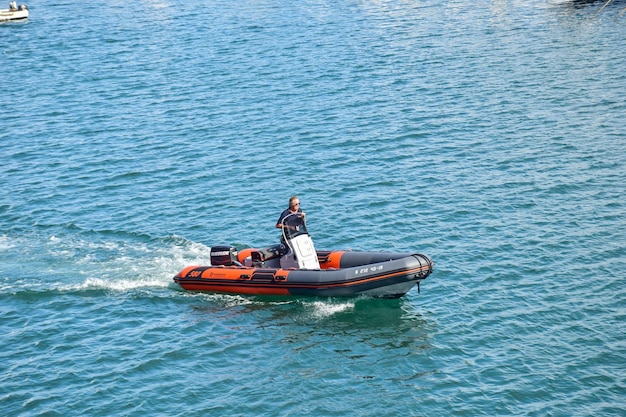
(14, 12)
(295, 268)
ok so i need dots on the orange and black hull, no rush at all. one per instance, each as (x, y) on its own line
(377, 274)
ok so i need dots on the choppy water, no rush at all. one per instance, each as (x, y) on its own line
(489, 135)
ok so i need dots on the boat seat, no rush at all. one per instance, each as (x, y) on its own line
(271, 252)
(261, 256)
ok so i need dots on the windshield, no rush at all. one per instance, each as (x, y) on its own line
(293, 225)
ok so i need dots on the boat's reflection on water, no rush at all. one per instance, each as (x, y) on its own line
(305, 322)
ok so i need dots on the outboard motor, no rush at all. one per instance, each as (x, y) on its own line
(224, 255)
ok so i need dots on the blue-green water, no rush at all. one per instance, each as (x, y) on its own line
(489, 135)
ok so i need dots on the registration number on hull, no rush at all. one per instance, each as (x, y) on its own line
(368, 270)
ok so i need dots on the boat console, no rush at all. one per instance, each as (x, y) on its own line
(302, 252)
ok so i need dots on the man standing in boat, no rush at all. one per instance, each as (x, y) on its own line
(294, 207)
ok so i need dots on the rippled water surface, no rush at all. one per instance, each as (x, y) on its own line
(489, 135)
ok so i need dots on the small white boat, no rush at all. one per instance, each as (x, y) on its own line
(14, 12)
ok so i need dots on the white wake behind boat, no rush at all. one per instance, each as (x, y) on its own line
(14, 12)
